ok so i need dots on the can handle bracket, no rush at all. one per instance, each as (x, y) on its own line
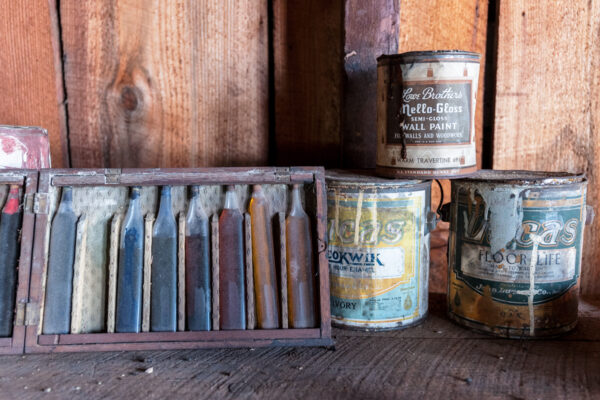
(589, 214)
(444, 212)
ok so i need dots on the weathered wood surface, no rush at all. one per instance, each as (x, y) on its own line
(370, 29)
(437, 359)
(547, 98)
(31, 74)
(307, 62)
(177, 83)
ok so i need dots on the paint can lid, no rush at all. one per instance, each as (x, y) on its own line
(521, 177)
(429, 56)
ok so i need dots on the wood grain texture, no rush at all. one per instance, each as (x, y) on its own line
(79, 281)
(307, 53)
(547, 99)
(283, 281)
(591, 254)
(177, 83)
(30, 77)
(370, 29)
(113, 263)
(147, 281)
(436, 359)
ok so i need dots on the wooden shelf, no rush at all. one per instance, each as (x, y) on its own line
(437, 359)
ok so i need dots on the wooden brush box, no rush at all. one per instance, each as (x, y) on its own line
(100, 200)
(23, 314)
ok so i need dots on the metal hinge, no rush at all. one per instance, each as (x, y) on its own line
(282, 174)
(112, 176)
(27, 314)
(36, 203)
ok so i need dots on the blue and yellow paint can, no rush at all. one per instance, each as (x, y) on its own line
(378, 250)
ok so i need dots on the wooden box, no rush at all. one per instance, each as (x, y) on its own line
(100, 198)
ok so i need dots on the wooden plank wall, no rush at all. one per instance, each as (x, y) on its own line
(370, 29)
(307, 54)
(148, 83)
(547, 111)
(166, 83)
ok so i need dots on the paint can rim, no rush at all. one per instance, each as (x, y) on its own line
(429, 56)
(524, 177)
(367, 177)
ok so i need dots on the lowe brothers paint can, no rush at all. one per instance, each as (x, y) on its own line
(515, 252)
(426, 114)
(378, 250)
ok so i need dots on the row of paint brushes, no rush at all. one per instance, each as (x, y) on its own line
(198, 280)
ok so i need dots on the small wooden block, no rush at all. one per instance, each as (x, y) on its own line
(79, 276)
(181, 274)
(250, 304)
(149, 222)
(283, 271)
(214, 224)
(113, 262)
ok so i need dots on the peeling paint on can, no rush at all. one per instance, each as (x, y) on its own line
(515, 252)
(378, 272)
(426, 114)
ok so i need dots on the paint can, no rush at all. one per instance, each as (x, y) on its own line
(515, 251)
(378, 249)
(426, 114)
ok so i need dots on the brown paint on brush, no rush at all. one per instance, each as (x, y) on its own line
(300, 266)
(232, 294)
(263, 260)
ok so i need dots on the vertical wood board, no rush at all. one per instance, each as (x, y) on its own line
(307, 58)
(370, 29)
(171, 84)
(547, 98)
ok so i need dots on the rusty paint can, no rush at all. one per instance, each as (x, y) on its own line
(378, 250)
(426, 114)
(514, 251)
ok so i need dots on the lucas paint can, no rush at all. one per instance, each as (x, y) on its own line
(426, 114)
(378, 250)
(514, 251)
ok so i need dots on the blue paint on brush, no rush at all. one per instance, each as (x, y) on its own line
(131, 267)
(163, 294)
(197, 266)
(59, 283)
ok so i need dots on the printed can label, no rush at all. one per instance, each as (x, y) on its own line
(550, 219)
(425, 118)
(374, 253)
(432, 114)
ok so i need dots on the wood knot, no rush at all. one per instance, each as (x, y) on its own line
(129, 98)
